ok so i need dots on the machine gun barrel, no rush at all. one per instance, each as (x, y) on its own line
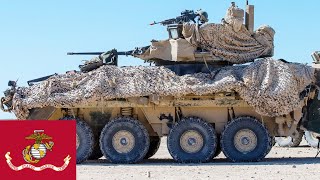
(166, 22)
(123, 53)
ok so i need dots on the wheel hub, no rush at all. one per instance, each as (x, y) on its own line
(245, 140)
(123, 141)
(191, 141)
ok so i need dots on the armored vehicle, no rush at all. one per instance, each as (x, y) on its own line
(198, 94)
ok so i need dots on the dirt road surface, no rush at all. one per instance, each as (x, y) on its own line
(280, 163)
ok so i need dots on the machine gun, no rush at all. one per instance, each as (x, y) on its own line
(174, 25)
(186, 16)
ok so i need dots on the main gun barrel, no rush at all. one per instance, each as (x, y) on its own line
(84, 53)
(126, 53)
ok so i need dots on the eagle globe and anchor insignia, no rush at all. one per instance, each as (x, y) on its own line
(34, 153)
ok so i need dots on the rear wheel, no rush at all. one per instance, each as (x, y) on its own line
(154, 146)
(124, 140)
(192, 140)
(84, 139)
(245, 139)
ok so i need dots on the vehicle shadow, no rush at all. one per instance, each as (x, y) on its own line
(214, 162)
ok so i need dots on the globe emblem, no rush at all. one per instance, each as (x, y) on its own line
(38, 151)
(33, 153)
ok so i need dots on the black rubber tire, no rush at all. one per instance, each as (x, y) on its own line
(85, 135)
(196, 124)
(155, 142)
(139, 133)
(264, 140)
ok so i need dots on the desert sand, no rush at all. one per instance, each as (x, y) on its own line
(280, 163)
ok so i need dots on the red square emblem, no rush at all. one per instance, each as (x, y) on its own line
(38, 149)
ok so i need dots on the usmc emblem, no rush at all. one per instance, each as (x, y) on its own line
(34, 153)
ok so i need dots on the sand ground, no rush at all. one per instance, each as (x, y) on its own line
(280, 163)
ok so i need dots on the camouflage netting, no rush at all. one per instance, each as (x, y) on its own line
(226, 44)
(272, 87)
(229, 41)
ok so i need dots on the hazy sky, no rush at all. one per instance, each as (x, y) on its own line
(36, 35)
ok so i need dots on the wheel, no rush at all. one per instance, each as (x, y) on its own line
(154, 146)
(288, 141)
(84, 139)
(124, 140)
(192, 140)
(311, 138)
(245, 139)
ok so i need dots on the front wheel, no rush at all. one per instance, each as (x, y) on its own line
(245, 139)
